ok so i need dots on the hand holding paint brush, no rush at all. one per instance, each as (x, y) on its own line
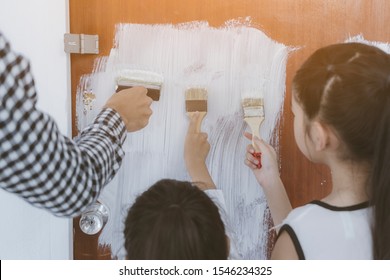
(133, 105)
(254, 116)
(269, 178)
(196, 102)
(264, 164)
(135, 91)
(270, 169)
(196, 147)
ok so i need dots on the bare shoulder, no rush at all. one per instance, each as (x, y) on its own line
(284, 248)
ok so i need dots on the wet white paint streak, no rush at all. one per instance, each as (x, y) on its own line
(229, 62)
(384, 46)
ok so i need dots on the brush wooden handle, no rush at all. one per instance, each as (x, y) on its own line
(254, 123)
(199, 121)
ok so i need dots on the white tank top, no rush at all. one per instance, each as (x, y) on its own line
(325, 232)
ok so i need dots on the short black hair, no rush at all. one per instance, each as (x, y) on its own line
(174, 220)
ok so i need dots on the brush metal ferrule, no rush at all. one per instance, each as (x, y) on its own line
(196, 105)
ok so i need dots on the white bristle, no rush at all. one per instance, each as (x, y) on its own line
(253, 107)
(130, 77)
(196, 94)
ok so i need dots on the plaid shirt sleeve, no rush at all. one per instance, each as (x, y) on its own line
(37, 162)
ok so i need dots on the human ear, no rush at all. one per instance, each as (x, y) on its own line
(319, 136)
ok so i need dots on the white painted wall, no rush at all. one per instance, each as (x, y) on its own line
(35, 29)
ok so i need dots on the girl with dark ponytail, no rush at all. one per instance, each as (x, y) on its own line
(341, 106)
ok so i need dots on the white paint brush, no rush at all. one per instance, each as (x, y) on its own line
(196, 101)
(127, 78)
(254, 116)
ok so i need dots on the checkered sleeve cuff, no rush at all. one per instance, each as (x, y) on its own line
(102, 142)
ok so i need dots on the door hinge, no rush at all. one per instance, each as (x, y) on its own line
(81, 43)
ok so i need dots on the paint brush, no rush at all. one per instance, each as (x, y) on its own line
(254, 116)
(196, 101)
(127, 78)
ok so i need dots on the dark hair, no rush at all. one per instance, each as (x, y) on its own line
(347, 86)
(174, 220)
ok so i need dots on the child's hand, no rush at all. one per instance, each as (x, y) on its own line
(269, 178)
(196, 149)
(269, 170)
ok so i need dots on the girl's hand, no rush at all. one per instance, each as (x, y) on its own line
(196, 146)
(269, 171)
(269, 179)
(196, 149)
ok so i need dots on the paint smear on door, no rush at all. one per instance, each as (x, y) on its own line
(228, 61)
(384, 46)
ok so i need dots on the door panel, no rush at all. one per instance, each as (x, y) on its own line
(306, 24)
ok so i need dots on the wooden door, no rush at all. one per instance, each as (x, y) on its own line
(308, 24)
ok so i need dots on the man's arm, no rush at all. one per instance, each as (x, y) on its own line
(41, 165)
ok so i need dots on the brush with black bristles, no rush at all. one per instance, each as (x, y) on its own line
(196, 101)
(254, 116)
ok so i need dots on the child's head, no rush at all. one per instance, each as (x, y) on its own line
(346, 86)
(174, 220)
